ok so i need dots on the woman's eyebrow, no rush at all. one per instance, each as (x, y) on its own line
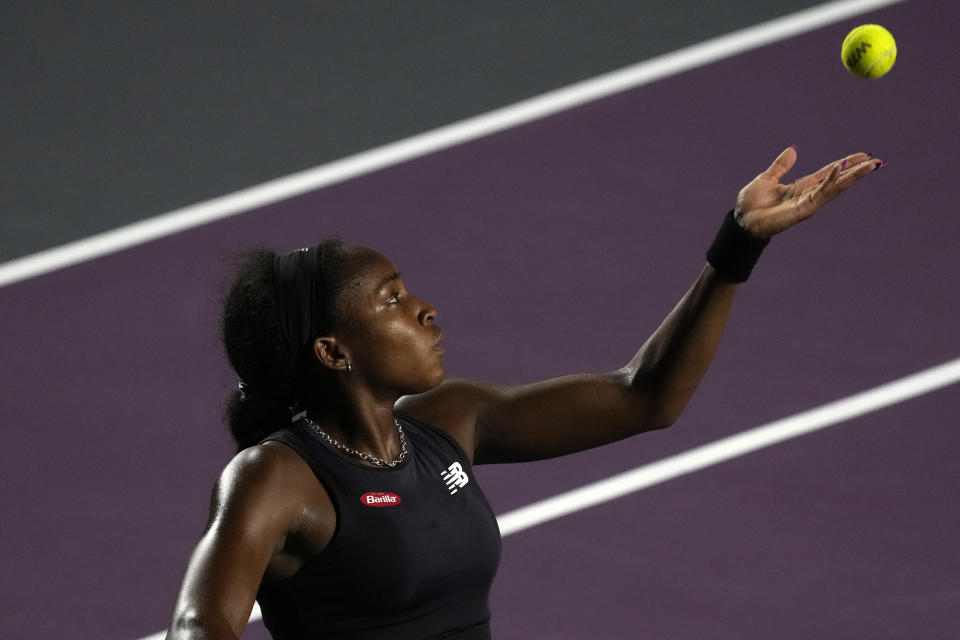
(390, 278)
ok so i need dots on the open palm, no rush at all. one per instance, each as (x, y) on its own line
(765, 207)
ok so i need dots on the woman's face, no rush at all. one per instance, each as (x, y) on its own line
(389, 334)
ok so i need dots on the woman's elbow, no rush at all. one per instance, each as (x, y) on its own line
(192, 625)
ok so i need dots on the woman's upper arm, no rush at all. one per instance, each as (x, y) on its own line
(541, 420)
(252, 510)
(453, 407)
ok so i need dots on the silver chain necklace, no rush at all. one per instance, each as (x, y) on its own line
(366, 457)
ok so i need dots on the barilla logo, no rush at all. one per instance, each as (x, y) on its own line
(380, 499)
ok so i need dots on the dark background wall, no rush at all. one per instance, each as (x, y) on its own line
(116, 111)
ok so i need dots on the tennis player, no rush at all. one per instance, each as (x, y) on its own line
(351, 509)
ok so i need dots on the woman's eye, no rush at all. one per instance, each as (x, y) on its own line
(394, 299)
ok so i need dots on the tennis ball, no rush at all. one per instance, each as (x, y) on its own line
(869, 51)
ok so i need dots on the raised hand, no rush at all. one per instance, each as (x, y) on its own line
(765, 207)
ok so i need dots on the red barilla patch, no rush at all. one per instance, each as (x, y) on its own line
(380, 499)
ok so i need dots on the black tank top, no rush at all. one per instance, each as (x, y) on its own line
(414, 553)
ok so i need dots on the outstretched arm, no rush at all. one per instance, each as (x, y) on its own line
(572, 413)
(560, 416)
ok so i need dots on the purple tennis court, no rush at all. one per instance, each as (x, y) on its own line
(552, 248)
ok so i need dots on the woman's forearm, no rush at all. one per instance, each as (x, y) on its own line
(670, 365)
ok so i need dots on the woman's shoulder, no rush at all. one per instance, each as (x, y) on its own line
(267, 469)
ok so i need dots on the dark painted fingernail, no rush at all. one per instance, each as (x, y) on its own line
(795, 147)
(880, 164)
(843, 166)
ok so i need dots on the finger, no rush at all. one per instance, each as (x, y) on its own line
(826, 190)
(855, 159)
(858, 171)
(815, 179)
(835, 183)
(783, 164)
(845, 163)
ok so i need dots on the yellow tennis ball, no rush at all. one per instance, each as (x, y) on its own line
(869, 51)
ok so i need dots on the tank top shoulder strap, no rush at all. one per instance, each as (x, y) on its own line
(332, 472)
(432, 433)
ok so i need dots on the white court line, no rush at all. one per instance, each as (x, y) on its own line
(718, 451)
(731, 447)
(435, 140)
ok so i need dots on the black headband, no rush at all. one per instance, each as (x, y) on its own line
(299, 281)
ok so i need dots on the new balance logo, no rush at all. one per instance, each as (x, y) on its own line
(455, 477)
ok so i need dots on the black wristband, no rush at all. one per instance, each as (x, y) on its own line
(734, 252)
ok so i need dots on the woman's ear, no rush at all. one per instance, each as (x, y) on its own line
(330, 354)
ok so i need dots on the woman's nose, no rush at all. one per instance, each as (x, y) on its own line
(427, 312)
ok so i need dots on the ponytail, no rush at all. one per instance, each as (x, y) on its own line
(251, 418)
(251, 336)
(274, 379)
